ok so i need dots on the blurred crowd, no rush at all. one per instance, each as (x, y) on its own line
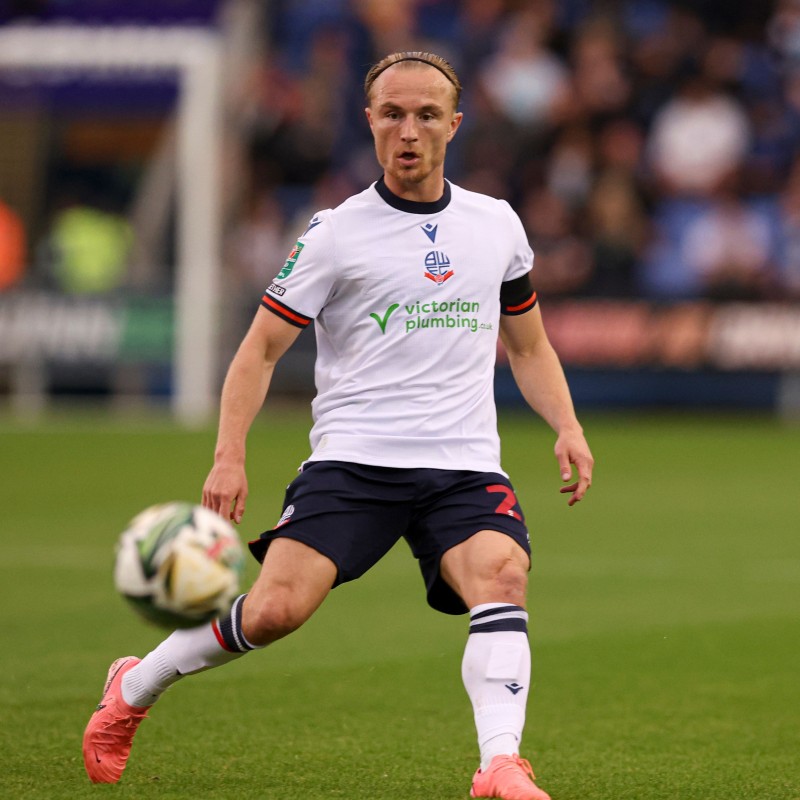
(650, 147)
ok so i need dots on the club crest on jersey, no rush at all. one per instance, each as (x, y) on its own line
(287, 268)
(437, 267)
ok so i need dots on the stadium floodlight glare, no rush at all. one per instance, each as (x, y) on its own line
(195, 55)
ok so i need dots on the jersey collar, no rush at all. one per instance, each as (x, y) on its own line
(413, 206)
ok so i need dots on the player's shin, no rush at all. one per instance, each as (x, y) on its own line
(186, 652)
(496, 671)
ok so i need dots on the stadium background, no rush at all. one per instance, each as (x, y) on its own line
(651, 150)
(649, 147)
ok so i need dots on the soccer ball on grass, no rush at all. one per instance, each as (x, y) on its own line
(179, 565)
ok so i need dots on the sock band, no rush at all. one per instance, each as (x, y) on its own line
(499, 618)
(228, 629)
(500, 625)
(490, 612)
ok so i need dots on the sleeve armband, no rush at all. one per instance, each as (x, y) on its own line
(517, 296)
(284, 312)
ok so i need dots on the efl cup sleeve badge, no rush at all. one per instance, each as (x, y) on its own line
(437, 267)
(287, 268)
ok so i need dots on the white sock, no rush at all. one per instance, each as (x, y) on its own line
(186, 652)
(496, 671)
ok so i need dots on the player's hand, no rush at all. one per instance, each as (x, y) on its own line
(572, 449)
(225, 490)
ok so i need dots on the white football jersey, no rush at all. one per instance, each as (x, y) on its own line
(406, 302)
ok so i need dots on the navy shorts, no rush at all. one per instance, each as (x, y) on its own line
(354, 514)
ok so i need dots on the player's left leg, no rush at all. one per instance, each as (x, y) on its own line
(489, 571)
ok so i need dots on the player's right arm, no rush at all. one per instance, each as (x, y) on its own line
(243, 395)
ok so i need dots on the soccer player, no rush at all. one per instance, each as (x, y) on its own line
(409, 282)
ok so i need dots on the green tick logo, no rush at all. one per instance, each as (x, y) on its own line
(385, 318)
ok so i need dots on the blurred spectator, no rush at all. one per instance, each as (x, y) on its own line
(599, 78)
(256, 246)
(486, 181)
(562, 260)
(784, 31)
(571, 164)
(728, 247)
(619, 229)
(331, 190)
(12, 247)
(663, 273)
(393, 25)
(660, 53)
(295, 119)
(620, 145)
(773, 146)
(526, 81)
(789, 236)
(487, 144)
(699, 138)
(89, 249)
(293, 24)
(723, 62)
(477, 28)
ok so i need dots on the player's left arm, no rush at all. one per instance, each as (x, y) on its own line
(540, 377)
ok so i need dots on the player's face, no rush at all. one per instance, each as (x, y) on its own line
(412, 116)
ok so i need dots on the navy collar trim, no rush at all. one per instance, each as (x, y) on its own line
(413, 206)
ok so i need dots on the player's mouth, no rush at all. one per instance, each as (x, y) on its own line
(408, 158)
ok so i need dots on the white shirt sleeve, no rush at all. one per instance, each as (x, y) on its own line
(305, 282)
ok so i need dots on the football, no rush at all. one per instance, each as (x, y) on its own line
(179, 565)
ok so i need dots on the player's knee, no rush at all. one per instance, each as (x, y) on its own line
(507, 581)
(488, 568)
(271, 619)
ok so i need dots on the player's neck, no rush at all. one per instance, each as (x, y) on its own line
(428, 191)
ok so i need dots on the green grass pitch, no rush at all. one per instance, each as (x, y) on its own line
(665, 622)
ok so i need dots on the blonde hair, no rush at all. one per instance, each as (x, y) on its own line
(431, 59)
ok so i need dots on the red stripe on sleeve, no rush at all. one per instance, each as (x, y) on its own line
(286, 313)
(522, 306)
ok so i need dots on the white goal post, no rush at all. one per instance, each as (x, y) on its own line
(196, 57)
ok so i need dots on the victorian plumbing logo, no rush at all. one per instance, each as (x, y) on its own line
(446, 314)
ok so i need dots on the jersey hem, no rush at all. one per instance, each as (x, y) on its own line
(398, 452)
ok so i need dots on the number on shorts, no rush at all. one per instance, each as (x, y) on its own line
(506, 506)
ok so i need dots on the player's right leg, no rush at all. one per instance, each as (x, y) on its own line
(295, 579)
(293, 582)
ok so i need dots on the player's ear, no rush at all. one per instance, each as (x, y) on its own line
(369, 117)
(454, 123)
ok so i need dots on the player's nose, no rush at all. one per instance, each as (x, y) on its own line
(408, 130)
